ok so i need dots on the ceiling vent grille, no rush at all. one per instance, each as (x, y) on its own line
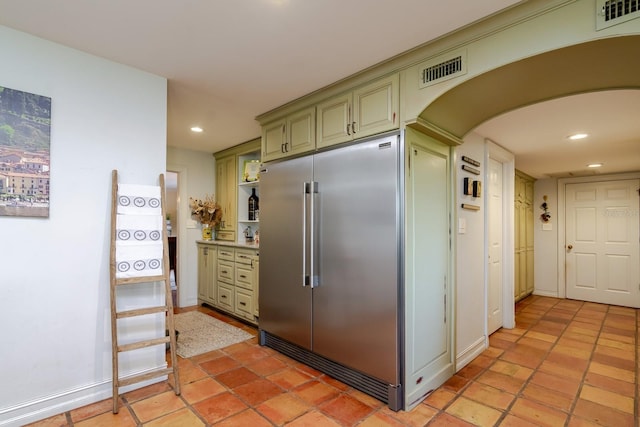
(441, 69)
(612, 12)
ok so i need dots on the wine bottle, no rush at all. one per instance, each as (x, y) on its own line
(253, 205)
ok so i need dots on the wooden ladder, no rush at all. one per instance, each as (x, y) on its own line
(166, 308)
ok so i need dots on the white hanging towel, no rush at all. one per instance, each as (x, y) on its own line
(139, 244)
(138, 228)
(138, 259)
(139, 199)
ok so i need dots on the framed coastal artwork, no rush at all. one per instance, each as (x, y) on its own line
(25, 139)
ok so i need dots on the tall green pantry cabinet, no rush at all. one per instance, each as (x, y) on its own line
(228, 265)
(231, 193)
(523, 242)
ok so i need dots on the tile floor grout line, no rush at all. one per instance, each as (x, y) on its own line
(519, 393)
(187, 404)
(586, 372)
(575, 398)
(637, 398)
(311, 408)
(461, 391)
(125, 404)
(233, 393)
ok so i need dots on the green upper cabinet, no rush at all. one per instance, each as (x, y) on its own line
(334, 120)
(365, 111)
(294, 134)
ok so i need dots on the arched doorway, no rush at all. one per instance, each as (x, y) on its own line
(598, 65)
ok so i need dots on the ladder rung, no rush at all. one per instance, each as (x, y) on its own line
(146, 279)
(143, 377)
(143, 344)
(142, 311)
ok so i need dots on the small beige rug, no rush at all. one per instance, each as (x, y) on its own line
(200, 333)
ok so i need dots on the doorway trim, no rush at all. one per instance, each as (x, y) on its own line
(562, 183)
(496, 152)
(181, 230)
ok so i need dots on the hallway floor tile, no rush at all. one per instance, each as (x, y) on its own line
(567, 363)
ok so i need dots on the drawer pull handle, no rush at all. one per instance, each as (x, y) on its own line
(243, 276)
(243, 303)
(223, 296)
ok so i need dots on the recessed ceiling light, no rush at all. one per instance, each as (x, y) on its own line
(196, 129)
(576, 136)
(594, 165)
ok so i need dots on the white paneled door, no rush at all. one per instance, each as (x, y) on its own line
(495, 282)
(602, 242)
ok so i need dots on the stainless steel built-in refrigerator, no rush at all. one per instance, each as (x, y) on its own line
(330, 248)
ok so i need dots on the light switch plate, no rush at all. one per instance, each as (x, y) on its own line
(462, 225)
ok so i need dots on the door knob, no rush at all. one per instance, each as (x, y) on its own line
(570, 247)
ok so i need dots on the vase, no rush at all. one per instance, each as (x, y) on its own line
(207, 232)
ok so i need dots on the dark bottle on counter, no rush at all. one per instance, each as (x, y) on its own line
(253, 205)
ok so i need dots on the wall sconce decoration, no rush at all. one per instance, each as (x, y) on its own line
(470, 170)
(546, 215)
(468, 187)
(472, 187)
(477, 188)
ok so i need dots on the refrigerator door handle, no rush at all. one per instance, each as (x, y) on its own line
(310, 189)
(315, 280)
(305, 191)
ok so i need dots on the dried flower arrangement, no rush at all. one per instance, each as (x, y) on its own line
(206, 210)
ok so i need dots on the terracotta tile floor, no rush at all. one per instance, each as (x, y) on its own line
(567, 363)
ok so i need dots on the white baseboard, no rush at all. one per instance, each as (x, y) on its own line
(546, 294)
(471, 352)
(39, 409)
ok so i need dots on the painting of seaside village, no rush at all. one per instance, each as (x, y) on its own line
(25, 133)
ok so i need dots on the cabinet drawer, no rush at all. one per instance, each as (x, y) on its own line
(226, 297)
(244, 276)
(224, 253)
(225, 271)
(244, 256)
(244, 303)
(226, 235)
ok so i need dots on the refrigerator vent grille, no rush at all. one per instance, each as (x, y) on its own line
(441, 69)
(612, 12)
(358, 380)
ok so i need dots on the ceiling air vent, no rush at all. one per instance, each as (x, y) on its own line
(612, 12)
(443, 68)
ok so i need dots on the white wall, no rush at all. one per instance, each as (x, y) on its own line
(545, 261)
(470, 257)
(196, 179)
(471, 249)
(56, 343)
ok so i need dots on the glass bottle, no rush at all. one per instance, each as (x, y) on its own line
(253, 205)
